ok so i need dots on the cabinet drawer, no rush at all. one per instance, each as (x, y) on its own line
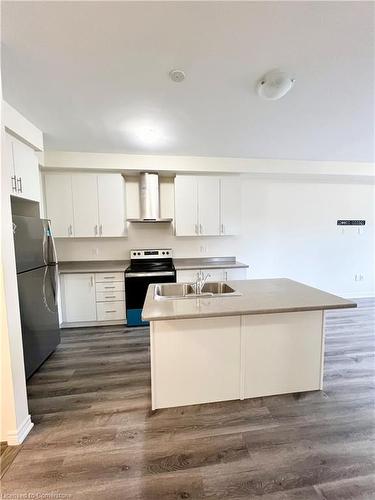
(110, 296)
(105, 277)
(113, 286)
(110, 311)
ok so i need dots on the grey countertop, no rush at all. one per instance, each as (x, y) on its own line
(93, 266)
(208, 263)
(110, 266)
(262, 296)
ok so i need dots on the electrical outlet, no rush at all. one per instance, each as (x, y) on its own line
(95, 251)
(203, 249)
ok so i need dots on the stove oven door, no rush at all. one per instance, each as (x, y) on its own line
(136, 285)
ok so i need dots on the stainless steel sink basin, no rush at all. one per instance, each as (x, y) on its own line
(217, 288)
(187, 291)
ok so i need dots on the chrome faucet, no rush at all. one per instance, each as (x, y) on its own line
(201, 280)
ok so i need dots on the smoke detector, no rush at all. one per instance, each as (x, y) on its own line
(274, 85)
(177, 75)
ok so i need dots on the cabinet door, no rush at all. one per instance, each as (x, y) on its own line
(59, 204)
(78, 297)
(235, 274)
(26, 167)
(186, 205)
(187, 276)
(214, 274)
(230, 201)
(111, 198)
(85, 205)
(209, 206)
(9, 164)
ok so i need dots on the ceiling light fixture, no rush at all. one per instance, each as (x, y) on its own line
(274, 85)
(145, 133)
(177, 75)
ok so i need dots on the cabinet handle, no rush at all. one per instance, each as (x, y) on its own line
(14, 185)
(19, 183)
(109, 287)
(101, 229)
(200, 228)
(226, 275)
(110, 297)
(196, 228)
(222, 229)
(91, 281)
(70, 230)
(96, 230)
(111, 311)
(109, 277)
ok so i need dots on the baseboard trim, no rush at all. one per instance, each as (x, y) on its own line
(17, 437)
(83, 324)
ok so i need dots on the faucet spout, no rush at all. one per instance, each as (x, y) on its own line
(201, 280)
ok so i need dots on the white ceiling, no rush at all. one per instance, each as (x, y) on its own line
(88, 73)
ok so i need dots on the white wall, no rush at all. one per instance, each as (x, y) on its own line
(288, 230)
(15, 418)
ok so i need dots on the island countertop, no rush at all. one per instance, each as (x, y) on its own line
(258, 296)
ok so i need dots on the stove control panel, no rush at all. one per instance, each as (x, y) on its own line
(160, 253)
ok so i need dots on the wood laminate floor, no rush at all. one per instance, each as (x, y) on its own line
(96, 437)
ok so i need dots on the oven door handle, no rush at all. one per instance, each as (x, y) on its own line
(147, 275)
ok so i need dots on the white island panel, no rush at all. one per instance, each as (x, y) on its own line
(282, 353)
(195, 361)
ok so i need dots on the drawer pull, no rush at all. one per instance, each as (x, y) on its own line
(110, 296)
(109, 277)
(109, 287)
(111, 311)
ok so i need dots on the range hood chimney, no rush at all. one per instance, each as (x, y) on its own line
(149, 203)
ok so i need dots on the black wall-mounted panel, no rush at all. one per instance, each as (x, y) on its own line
(347, 222)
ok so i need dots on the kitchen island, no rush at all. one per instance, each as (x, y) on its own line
(266, 338)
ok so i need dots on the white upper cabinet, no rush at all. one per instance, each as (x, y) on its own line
(206, 205)
(85, 205)
(230, 205)
(23, 168)
(186, 205)
(111, 198)
(59, 204)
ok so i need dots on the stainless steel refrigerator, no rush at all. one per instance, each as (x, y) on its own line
(37, 289)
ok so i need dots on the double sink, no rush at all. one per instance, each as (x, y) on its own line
(187, 291)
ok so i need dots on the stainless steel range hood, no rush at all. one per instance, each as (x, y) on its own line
(149, 203)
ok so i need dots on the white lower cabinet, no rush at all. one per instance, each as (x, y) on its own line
(93, 298)
(195, 361)
(282, 353)
(78, 297)
(187, 276)
(235, 273)
(110, 311)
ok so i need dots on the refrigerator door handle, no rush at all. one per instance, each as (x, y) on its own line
(45, 246)
(44, 291)
(54, 252)
(56, 283)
